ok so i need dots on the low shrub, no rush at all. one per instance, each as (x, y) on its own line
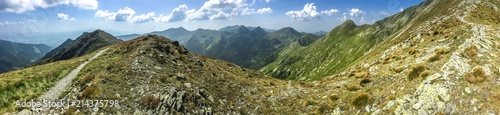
(476, 76)
(471, 53)
(365, 81)
(333, 97)
(352, 87)
(416, 71)
(361, 100)
(309, 103)
(437, 55)
(90, 92)
(150, 101)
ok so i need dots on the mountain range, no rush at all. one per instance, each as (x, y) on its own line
(250, 47)
(17, 55)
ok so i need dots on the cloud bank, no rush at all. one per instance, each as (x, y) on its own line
(21, 6)
(211, 10)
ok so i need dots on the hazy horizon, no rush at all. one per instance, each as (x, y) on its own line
(24, 21)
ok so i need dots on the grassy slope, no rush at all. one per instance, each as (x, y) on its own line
(336, 51)
(29, 83)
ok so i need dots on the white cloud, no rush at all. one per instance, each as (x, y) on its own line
(21, 6)
(221, 9)
(6, 23)
(211, 10)
(344, 17)
(109, 15)
(265, 10)
(356, 12)
(401, 9)
(178, 14)
(267, 1)
(330, 12)
(143, 18)
(125, 15)
(63, 17)
(356, 15)
(307, 13)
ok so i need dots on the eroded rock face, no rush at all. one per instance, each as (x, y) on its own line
(176, 101)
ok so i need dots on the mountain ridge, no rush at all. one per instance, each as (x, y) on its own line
(84, 44)
(58, 48)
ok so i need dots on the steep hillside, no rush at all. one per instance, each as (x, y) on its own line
(201, 39)
(443, 60)
(84, 44)
(58, 48)
(248, 48)
(17, 55)
(307, 39)
(339, 49)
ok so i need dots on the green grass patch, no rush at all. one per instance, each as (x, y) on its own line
(29, 83)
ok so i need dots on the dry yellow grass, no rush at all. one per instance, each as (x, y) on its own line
(31, 82)
(476, 76)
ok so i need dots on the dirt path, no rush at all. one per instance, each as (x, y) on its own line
(61, 85)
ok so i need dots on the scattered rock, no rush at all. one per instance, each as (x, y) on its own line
(422, 112)
(467, 90)
(417, 106)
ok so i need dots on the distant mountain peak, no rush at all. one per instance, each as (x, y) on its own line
(259, 30)
(241, 29)
(349, 22)
(84, 44)
(69, 39)
(180, 28)
(99, 31)
(289, 30)
(231, 28)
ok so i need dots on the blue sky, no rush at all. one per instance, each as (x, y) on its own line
(142, 16)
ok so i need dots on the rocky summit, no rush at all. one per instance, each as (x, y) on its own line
(153, 75)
